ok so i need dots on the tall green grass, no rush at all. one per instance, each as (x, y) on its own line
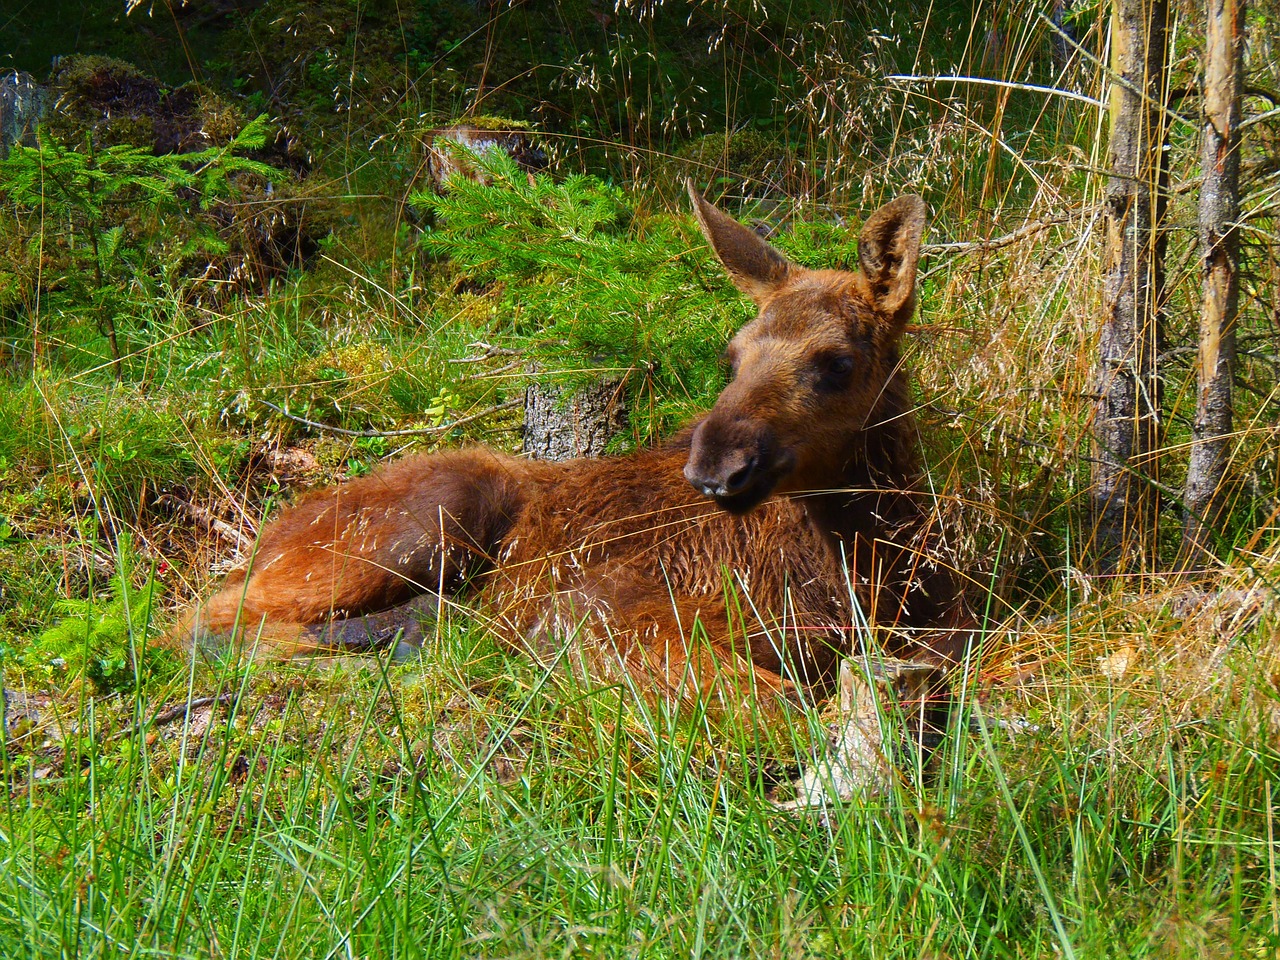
(474, 805)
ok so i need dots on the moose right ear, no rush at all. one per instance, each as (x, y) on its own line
(755, 267)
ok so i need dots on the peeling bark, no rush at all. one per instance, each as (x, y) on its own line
(1219, 256)
(557, 427)
(22, 103)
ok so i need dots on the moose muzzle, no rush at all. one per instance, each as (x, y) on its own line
(736, 462)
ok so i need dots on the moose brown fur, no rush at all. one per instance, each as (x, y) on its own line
(730, 552)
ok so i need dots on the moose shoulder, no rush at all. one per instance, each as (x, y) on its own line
(725, 555)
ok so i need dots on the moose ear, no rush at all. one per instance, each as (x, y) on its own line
(755, 268)
(889, 250)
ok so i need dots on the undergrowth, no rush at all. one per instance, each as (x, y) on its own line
(476, 806)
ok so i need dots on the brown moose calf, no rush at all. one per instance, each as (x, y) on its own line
(723, 562)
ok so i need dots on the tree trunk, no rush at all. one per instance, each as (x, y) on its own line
(22, 103)
(1127, 425)
(1219, 251)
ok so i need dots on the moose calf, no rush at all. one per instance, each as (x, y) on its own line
(724, 563)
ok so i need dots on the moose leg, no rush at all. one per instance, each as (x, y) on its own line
(401, 625)
(614, 624)
(422, 524)
(698, 653)
(916, 598)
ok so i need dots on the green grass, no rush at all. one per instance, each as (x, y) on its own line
(474, 805)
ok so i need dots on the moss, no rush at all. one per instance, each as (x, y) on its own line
(730, 166)
(79, 74)
(490, 122)
(117, 103)
(220, 119)
(477, 309)
(331, 453)
(362, 361)
(109, 99)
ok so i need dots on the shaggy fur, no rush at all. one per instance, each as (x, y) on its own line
(730, 553)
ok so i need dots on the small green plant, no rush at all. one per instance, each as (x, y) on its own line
(103, 641)
(85, 202)
(587, 286)
(365, 454)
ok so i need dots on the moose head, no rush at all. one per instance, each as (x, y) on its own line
(809, 372)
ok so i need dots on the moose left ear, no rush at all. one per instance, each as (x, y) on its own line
(889, 250)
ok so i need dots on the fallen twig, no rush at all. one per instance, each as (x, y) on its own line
(174, 713)
(202, 515)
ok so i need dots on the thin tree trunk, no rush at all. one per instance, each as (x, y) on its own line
(1219, 252)
(106, 320)
(1127, 425)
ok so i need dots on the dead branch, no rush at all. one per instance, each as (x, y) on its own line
(206, 517)
(971, 246)
(174, 713)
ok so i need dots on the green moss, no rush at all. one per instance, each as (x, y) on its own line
(220, 119)
(82, 86)
(488, 122)
(77, 75)
(733, 166)
(113, 102)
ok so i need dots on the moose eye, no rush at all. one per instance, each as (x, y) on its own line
(840, 366)
(729, 358)
(834, 372)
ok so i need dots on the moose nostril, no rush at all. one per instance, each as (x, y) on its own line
(738, 479)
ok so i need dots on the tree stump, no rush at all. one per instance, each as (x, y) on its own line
(22, 103)
(559, 425)
(447, 150)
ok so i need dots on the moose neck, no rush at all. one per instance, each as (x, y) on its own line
(872, 492)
